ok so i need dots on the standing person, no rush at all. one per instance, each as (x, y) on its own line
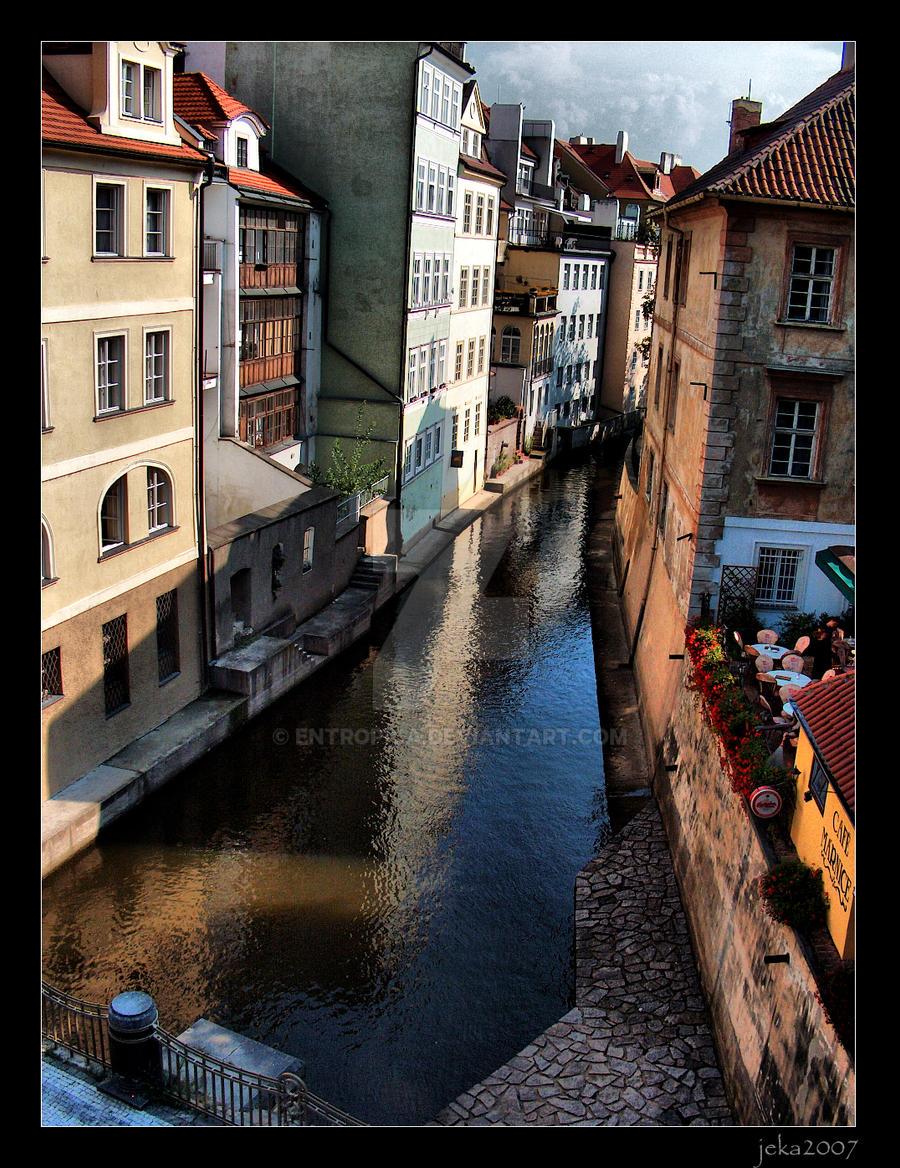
(820, 650)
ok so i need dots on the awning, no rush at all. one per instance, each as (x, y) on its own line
(839, 565)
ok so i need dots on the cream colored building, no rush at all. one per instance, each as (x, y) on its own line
(122, 647)
(471, 319)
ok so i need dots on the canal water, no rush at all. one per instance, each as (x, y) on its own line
(377, 874)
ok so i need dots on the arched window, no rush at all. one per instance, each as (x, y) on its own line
(509, 345)
(159, 500)
(113, 516)
(46, 554)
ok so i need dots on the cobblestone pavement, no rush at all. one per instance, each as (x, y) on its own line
(637, 1049)
(71, 1097)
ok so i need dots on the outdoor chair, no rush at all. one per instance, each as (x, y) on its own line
(767, 637)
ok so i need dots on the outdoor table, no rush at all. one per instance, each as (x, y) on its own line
(776, 652)
(786, 677)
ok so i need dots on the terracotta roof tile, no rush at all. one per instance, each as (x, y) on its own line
(63, 123)
(272, 180)
(627, 178)
(200, 99)
(827, 711)
(807, 155)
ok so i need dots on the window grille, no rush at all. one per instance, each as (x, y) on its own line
(51, 674)
(115, 664)
(776, 581)
(167, 635)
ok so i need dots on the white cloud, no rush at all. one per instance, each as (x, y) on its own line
(668, 95)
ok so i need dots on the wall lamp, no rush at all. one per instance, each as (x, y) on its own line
(715, 276)
(705, 387)
(687, 535)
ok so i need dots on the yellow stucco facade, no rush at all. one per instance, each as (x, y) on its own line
(121, 520)
(824, 834)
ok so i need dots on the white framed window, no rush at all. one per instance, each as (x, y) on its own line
(479, 215)
(510, 341)
(47, 570)
(463, 287)
(489, 221)
(159, 500)
(778, 576)
(109, 218)
(110, 356)
(242, 152)
(140, 91)
(794, 436)
(45, 389)
(485, 285)
(114, 516)
(812, 280)
(157, 374)
(467, 213)
(157, 201)
(408, 460)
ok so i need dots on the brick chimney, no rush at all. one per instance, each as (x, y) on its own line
(621, 146)
(745, 114)
(848, 60)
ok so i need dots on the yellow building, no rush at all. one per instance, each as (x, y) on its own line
(823, 827)
(121, 517)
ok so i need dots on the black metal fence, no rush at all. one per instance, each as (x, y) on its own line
(189, 1077)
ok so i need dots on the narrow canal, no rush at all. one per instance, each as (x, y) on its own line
(377, 874)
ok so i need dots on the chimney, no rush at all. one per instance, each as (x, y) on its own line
(667, 161)
(621, 145)
(848, 61)
(745, 114)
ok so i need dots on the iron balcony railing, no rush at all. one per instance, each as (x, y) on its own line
(189, 1077)
(348, 509)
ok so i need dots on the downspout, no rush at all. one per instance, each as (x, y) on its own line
(654, 509)
(205, 650)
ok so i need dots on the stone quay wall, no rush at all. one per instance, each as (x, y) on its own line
(780, 1056)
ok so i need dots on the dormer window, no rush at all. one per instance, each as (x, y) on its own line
(141, 92)
(242, 152)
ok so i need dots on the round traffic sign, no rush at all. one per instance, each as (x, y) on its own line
(765, 802)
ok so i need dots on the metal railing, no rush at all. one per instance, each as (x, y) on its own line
(76, 1026)
(189, 1077)
(348, 509)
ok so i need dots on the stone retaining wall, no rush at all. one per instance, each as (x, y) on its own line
(781, 1057)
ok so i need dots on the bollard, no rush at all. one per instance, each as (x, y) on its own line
(134, 1050)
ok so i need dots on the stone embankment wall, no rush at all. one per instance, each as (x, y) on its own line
(781, 1058)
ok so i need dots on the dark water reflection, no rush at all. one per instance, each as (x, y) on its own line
(377, 873)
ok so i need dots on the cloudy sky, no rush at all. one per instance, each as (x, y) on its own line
(667, 95)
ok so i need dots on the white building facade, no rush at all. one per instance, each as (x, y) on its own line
(474, 271)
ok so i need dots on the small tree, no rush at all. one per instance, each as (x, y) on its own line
(348, 474)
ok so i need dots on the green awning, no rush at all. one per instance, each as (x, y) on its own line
(839, 565)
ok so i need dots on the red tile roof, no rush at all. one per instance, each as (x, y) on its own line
(63, 123)
(827, 712)
(272, 180)
(628, 178)
(807, 155)
(198, 98)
